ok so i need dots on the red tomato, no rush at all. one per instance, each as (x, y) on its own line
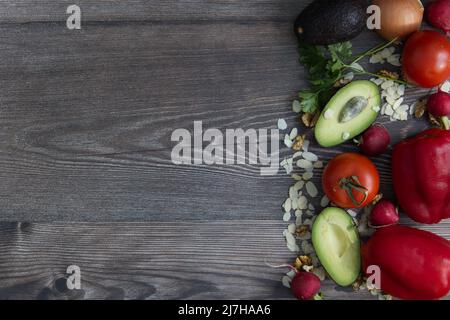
(351, 180)
(426, 59)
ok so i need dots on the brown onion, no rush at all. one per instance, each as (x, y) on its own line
(399, 18)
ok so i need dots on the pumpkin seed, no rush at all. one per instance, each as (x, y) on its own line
(293, 134)
(287, 217)
(287, 205)
(324, 201)
(310, 156)
(304, 164)
(282, 125)
(286, 281)
(311, 189)
(328, 114)
(298, 186)
(308, 175)
(296, 107)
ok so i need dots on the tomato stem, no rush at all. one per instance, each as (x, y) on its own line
(351, 184)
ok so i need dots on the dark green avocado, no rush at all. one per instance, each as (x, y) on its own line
(325, 22)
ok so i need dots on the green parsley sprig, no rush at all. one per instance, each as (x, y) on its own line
(327, 65)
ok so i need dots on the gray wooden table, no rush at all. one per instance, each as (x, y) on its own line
(86, 118)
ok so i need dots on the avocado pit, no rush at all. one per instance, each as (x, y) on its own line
(353, 108)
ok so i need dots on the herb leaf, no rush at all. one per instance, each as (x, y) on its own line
(341, 50)
(312, 58)
(309, 100)
(324, 65)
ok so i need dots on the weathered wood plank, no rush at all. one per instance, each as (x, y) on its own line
(157, 11)
(168, 260)
(86, 118)
(85, 124)
(172, 260)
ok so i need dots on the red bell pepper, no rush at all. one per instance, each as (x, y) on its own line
(414, 264)
(421, 175)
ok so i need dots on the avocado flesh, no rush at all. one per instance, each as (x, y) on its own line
(336, 241)
(330, 131)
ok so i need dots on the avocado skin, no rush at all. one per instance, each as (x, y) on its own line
(325, 22)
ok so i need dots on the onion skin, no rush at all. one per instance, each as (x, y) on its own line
(399, 18)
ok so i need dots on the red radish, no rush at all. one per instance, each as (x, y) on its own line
(383, 214)
(439, 106)
(438, 14)
(375, 140)
(305, 285)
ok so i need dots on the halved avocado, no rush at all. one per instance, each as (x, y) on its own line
(336, 241)
(349, 113)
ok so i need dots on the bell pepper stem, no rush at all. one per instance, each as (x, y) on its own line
(351, 184)
(445, 122)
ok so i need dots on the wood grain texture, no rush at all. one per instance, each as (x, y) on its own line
(162, 11)
(137, 261)
(89, 130)
(170, 260)
(87, 116)
(85, 124)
